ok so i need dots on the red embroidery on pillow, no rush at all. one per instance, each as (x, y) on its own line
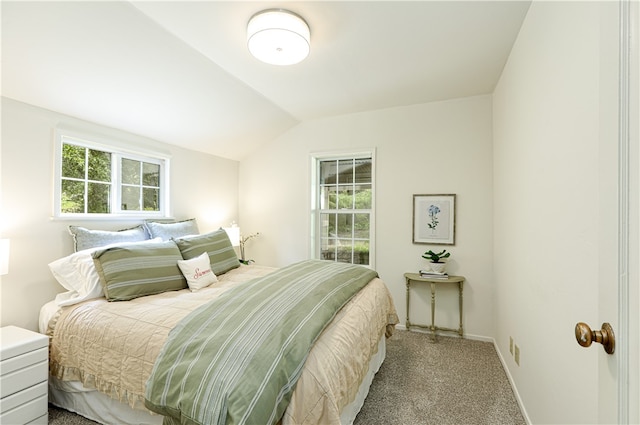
(199, 274)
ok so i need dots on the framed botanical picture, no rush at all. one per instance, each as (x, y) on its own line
(434, 219)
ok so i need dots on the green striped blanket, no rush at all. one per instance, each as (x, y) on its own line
(236, 360)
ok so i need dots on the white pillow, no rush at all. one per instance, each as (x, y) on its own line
(198, 272)
(77, 273)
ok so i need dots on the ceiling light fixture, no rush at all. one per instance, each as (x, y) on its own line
(278, 37)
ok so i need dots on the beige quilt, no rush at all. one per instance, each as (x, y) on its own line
(112, 346)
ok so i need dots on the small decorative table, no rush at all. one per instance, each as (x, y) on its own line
(433, 281)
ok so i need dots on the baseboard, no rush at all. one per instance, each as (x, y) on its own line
(500, 356)
(512, 382)
(447, 333)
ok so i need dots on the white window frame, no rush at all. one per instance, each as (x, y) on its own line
(315, 224)
(118, 152)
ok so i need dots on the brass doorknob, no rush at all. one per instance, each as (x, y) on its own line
(585, 336)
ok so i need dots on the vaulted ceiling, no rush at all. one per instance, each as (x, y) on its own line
(180, 72)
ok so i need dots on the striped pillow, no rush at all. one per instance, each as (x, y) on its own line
(216, 244)
(132, 271)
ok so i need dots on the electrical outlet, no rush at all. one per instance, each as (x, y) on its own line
(511, 345)
(517, 355)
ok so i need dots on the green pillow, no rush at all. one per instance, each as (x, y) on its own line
(132, 271)
(217, 245)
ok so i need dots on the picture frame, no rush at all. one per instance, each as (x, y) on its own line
(434, 219)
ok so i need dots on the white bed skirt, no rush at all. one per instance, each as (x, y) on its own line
(101, 408)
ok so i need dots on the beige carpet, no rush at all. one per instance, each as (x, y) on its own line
(450, 381)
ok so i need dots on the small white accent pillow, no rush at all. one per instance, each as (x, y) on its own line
(198, 272)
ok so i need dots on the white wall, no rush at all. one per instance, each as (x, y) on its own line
(548, 187)
(202, 186)
(442, 147)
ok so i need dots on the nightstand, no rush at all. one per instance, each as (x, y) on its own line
(24, 374)
(416, 277)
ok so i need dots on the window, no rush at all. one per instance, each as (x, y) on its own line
(94, 180)
(140, 185)
(343, 209)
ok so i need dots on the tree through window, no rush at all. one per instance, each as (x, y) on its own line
(344, 213)
(95, 180)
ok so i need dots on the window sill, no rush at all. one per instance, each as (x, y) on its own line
(111, 217)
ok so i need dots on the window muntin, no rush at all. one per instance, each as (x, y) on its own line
(96, 180)
(344, 192)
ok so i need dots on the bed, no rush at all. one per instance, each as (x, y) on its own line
(105, 354)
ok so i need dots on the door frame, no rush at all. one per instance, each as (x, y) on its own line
(628, 219)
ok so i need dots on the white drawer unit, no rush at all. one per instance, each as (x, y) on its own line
(24, 372)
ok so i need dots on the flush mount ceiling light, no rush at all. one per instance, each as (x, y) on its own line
(278, 37)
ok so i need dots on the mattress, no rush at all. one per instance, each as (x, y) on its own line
(97, 406)
(331, 388)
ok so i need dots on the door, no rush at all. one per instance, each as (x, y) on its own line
(619, 191)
